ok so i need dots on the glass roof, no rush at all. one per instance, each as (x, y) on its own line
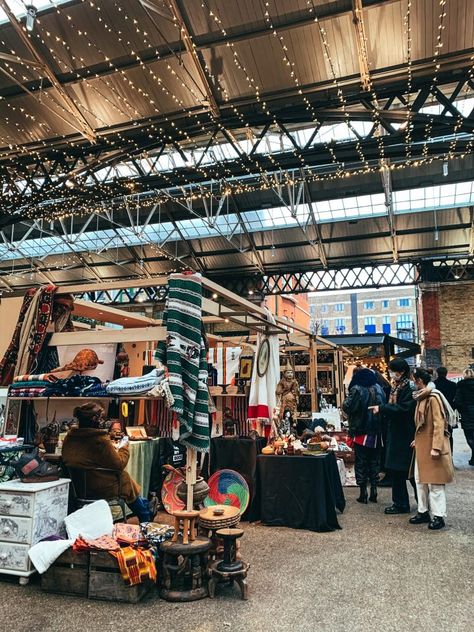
(275, 218)
(18, 7)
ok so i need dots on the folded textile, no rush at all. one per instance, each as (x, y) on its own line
(42, 377)
(95, 390)
(91, 522)
(72, 387)
(162, 390)
(104, 543)
(43, 554)
(128, 533)
(135, 385)
(136, 565)
(27, 392)
(30, 384)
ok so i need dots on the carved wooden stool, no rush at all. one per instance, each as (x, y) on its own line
(184, 570)
(185, 521)
(230, 569)
(216, 517)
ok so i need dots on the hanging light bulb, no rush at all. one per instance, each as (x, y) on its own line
(30, 17)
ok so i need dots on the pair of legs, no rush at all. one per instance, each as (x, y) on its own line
(141, 509)
(430, 497)
(367, 465)
(469, 434)
(400, 498)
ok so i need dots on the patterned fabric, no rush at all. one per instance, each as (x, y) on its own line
(128, 533)
(185, 356)
(30, 384)
(103, 543)
(369, 441)
(42, 377)
(136, 385)
(8, 363)
(74, 386)
(396, 388)
(27, 392)
(136, 565)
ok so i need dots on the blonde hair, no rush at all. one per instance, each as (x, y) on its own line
(468, 373)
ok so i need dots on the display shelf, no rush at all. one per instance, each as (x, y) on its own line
(67, 397)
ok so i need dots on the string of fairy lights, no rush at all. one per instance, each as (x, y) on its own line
(69, 204)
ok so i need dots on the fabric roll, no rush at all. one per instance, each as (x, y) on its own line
(41, 377)
(136, 385)
(185, 356)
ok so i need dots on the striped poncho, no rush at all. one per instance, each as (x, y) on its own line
(184, 354)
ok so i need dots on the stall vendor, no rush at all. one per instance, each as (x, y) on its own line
(89, 447)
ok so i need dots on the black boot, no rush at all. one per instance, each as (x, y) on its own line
(420, 518)
(436, 523)
(363, 494)
(373, 494)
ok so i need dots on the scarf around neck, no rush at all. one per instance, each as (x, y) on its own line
(396, 388)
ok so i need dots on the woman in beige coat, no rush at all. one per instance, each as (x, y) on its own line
(433, 465)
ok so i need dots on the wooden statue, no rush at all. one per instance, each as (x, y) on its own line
(287, 392)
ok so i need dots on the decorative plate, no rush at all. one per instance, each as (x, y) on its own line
(227, 487)
(169, 497)
(263, 357)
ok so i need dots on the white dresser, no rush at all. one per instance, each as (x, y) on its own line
(29, 512)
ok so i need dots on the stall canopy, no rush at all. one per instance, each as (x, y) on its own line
(381, 345)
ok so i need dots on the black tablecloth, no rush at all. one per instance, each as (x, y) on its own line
(239, 454)
(301, 492)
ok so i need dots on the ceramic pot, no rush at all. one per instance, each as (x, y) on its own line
(200, 491)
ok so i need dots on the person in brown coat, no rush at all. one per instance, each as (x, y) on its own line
(89, 447)
(433, 463)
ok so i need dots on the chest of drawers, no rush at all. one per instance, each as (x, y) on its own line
(29, 512)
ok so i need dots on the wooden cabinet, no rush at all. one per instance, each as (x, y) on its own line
(29, 512)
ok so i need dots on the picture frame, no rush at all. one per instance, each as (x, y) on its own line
(136, 433)
(245, 368)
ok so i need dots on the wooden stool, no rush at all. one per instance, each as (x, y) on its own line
(230, 569)
(185, 521)
(184, 570)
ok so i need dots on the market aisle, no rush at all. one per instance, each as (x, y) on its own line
(378, 573)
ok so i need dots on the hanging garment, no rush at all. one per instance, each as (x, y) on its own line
(226, 362)
(185, 356)
(262, 398)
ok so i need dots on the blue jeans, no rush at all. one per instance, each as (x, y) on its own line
(141, 509)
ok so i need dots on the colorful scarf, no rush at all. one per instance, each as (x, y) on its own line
(185, 356)
(41, 377)
(136, 565)
(396, 388)
(8, 363)
(103, 543)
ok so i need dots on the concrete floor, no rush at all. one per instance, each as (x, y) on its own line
(379, 573)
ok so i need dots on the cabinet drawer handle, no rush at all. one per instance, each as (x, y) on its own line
(8, 503)
(3, 556)
(6, 530)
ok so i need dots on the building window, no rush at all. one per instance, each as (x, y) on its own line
(324, 309)
(404, 302)
(385, 304)
(339, 307)
(369, 320)
(404, 321)
(369, 305)
(340, 325)
(386, 320)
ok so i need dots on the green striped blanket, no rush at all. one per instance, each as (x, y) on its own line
(184, 354)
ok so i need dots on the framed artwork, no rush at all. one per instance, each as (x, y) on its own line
(245, 368)
(12, 417)
(136, 433)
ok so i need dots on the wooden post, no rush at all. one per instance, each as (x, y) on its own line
(313, 375)
(190, 476)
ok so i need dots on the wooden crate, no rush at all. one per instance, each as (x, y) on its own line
(93, 575)
(106, 582)
(69, 575)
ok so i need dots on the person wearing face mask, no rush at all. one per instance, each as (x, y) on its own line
(89, 447)
(398, 413)
(433, 465)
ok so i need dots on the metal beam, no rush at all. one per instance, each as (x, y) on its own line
(471, 236)
(83, 125)
(385, 174)
(319, 237)
(361, 41)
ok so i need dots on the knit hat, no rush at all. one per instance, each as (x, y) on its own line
(364, 377)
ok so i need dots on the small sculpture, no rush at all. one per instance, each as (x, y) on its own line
(287, 392)
(229, 424)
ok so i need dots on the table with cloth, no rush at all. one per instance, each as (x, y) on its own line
(140, 464)
(239, 454)
(301, 492)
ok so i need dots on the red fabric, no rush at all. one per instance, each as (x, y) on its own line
(261, 410)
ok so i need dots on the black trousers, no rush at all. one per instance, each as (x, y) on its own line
(399, 489)
(469, 434)
(367, 465)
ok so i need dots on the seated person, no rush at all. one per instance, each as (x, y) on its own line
(90, 447)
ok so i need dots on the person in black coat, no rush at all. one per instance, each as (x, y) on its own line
(464, 402)
(445, 386)
(399, 414)
(364, 428)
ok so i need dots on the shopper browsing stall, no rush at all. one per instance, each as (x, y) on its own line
(399, 415)
(365, 429)
(89, 447)
(433, 463)
(464, 401)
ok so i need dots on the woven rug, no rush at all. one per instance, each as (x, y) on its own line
(185, 356)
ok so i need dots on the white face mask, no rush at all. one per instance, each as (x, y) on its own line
(393, 376)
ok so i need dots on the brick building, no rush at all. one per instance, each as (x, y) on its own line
(388, 310)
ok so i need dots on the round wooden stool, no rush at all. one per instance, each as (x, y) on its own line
(185, 521)
(230, 569)
(216, 517)
(184, 570)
